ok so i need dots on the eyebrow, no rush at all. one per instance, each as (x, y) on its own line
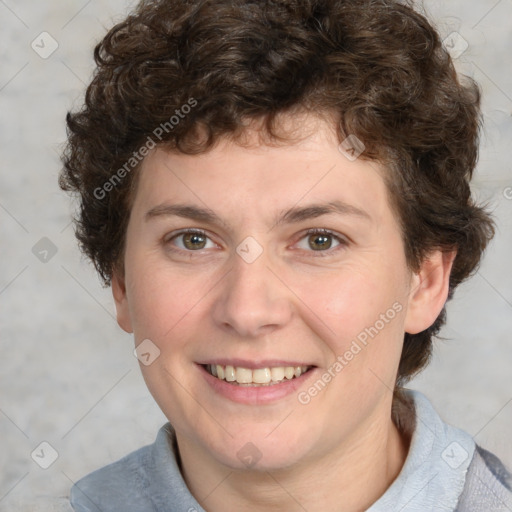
(290, 216)
(298, 214)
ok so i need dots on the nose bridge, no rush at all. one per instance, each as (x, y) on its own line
(252, 301)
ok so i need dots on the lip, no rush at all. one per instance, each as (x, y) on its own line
(255, 395)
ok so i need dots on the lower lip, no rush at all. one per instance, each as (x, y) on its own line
(255, 395)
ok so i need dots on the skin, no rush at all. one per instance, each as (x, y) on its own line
(291, 303)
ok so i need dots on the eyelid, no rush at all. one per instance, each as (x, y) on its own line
(343, 241)
(187, 231)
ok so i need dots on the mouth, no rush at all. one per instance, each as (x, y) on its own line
(255, 377)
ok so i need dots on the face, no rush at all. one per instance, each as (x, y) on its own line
(266, 263)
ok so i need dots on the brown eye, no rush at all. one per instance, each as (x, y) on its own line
(320, 242)
(194, 240)
(190, 241)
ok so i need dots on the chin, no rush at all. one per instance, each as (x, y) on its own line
(259, 452)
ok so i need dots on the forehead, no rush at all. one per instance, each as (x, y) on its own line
(264, 180)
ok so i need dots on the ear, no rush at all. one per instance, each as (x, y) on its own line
(121, 301)
(429, 291)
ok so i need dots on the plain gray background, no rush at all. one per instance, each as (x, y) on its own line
(68, 375)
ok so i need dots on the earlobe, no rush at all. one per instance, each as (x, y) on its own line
(429, 291)
(121, 302)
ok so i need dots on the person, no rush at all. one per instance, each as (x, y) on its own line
(278, 193)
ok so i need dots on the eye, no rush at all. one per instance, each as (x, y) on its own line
(190, 240)
(321, 240)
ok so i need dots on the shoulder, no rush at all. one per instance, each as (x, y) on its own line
(118, 486)
(147, 479)
(488, 485)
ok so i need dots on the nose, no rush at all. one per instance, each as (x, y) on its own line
(252, 302)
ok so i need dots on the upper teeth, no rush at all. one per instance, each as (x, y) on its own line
(256, 376)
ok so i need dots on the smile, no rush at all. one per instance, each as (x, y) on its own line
(267, 376)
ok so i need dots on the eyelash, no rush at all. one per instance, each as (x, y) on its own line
(314, 231)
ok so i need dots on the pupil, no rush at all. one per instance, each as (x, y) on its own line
(320, 242)
(191, 241)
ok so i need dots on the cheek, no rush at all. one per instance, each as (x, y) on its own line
(359, 303)
(158, 300)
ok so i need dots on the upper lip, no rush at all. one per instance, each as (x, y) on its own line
(253, 364)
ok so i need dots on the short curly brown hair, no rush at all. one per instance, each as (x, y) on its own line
(378, 66)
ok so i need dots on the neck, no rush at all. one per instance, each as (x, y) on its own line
(357, 474)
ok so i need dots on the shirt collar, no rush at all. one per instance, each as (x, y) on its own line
(434, 472)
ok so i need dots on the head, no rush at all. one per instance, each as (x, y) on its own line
(223, 116)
